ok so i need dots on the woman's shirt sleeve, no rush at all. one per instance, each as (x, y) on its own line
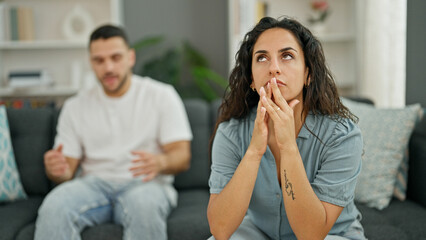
(225, 157)
(336, 178)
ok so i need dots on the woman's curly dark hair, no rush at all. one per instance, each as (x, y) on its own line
(319, 97)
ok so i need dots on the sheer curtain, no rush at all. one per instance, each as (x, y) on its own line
(382, 34)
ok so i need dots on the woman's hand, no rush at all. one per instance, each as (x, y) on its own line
(281, 114)
(259, 139)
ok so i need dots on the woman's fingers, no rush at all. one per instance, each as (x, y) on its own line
(271, 108)
(268, 91)
(278, 97)
(293, 103)
(261, 110)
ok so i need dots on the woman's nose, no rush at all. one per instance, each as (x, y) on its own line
(274, 68)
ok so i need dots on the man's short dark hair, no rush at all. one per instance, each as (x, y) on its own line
(108, 31)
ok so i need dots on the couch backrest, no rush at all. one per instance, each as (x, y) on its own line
(32, 133)
(200, 119)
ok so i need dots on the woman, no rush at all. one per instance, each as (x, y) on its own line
(286, 152)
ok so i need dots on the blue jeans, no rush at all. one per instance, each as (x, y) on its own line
(141, 208)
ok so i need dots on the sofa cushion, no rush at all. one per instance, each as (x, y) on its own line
(215, 111)
(31, 133)
(17, 215)
(100, 232)
(199, 118)
(386, 133)
(103, 231)
(10, 184)
(189, 220)
(401, 220)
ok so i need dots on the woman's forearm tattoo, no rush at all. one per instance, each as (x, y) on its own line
(288, 186)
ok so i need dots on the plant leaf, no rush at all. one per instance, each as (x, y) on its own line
(165, 68)
(210, 75)
(199, 80)
(146, 42)
(192, 56)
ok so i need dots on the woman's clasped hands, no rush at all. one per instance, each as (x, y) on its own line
(273, 107)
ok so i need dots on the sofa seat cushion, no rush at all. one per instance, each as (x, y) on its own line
(103, 231)
(189, 220)
(21, 213)
(401, 220)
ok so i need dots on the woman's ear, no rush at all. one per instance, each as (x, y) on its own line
(308, 81)
(252, 86)
(307, 77)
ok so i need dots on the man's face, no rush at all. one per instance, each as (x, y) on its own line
(112, 61)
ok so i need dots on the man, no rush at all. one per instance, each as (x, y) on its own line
(128, 134)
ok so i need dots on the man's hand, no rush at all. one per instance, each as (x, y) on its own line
(59, 168)
(56, 164)
(150, 165)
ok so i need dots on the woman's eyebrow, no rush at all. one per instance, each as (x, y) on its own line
(286, 49)
(260, 51)
(281, 50)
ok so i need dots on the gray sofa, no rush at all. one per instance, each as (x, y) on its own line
(32, 133)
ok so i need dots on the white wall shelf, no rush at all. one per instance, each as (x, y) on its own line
(37, 92)
(338, 37)
(63, 56)
(335, 37)
(45, 44)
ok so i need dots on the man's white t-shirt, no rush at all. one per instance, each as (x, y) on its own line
(102, 131)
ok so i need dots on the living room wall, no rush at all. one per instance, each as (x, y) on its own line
(416, 52)
(202, 22)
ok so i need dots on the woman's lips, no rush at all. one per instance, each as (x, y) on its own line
(280, 83)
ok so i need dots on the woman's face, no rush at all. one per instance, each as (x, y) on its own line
(278, 54)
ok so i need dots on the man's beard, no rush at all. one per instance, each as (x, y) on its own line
(120, 85)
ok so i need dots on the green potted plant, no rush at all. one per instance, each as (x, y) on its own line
(184, 67)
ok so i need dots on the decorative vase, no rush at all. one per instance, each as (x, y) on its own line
(318, 28)
(77, 24)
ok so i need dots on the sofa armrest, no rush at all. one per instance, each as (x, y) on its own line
(416, 189)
